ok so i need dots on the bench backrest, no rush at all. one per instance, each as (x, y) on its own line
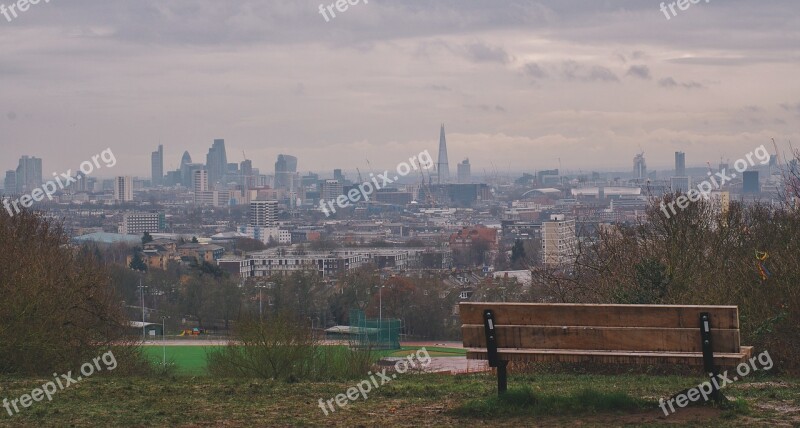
(664, 328)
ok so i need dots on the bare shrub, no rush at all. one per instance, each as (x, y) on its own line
(58, 309)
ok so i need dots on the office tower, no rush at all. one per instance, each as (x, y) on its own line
(216, 162)
(464, 172)
(246, 167)
(337, 175)
(200, 180)
(81, 184)
(123, 189)
(263, 213)
(10, 184)
(28, 174)
(331, 189)
(442, 165)
(639, 166)
(680, 164)
(750, 182)
(310, 180)
(157, 167)
(559, 240)
(186, 172)
(285, 170)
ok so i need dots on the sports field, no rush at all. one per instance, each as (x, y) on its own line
(190, 360)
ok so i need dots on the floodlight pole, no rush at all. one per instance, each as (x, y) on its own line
(144, 334)
(164, 339)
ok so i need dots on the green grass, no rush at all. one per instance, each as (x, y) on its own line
(410, 400)
(434, 351)
(189, 360)
(524, 401)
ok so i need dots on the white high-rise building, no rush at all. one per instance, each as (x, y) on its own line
(331, 189)
(263, 213)
(559, 240)
(200, 180)
(123, 189)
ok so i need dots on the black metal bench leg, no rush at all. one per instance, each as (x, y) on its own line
(502, 380)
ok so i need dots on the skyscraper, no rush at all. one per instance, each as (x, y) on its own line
(464, 172)
(123, 189)
(285, 170)
(157, 167)
(246, 167)
(80, 185)
(750, 182)
(680, 164)
(216, 162)
(443, 166)
(186, 171)
(639, 166)
(10, 184)
(28, 174)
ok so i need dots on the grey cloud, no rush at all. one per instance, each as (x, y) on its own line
(481, 52)
(640, 71)
(532, 69)
(669, 82)
(572, 70)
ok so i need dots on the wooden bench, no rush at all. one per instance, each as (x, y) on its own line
(705, 336)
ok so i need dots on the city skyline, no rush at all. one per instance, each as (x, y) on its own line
(587, 84)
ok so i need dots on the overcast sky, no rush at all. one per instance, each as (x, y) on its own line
(518, 84)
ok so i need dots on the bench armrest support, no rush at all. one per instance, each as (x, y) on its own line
(708, 354)
(491, 337)
(491, 350)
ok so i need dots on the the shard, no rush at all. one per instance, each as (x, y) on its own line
(442, 166)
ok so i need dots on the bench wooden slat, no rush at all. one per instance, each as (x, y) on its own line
(612, 357)
(601, 338)
(556, 314)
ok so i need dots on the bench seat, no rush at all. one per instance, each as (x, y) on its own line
(611, 357)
